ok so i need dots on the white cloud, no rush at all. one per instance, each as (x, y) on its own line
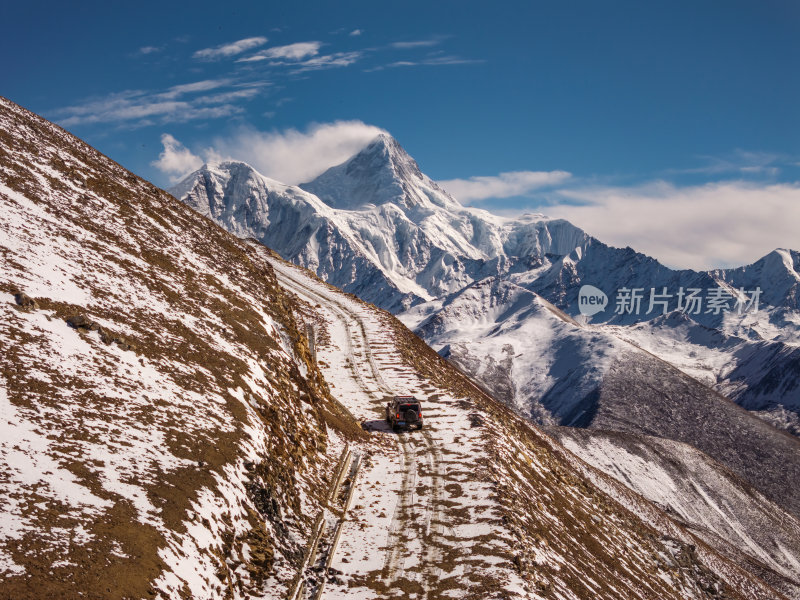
(700, 227)
(293, 156)
(231, 49)
(504, 185)
(138, 112)
(290, 156)
(416, 44)
(356, 32)
(177, 104)
(196, 86)
(239, 94)
(435, 61)
(304, 56)
(328, 61)
(149, 49)
(296, 51)
(176, 160)
(742, 161)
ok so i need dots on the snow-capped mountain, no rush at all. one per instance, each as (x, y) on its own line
(376, 226)
(287, 218)
(548, 366)
(753, 358)
(381, 173)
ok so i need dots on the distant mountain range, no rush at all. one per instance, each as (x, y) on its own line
(376, 226)
(476, 286)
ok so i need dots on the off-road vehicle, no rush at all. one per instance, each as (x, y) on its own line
(404, 412)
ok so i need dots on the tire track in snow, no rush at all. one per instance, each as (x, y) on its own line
(394, 560)
(434, 530)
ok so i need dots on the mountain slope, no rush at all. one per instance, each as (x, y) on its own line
(488, 505)
(163, 430)
(377, 227)
(557, 371)
(703, 495)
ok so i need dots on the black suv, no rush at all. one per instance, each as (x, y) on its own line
(404, 411)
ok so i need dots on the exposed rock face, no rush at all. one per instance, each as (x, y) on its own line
(22, 299)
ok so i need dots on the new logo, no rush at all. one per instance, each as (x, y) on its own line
(591, 300)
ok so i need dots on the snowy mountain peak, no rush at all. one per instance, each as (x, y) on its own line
(788, 259)
(226, 171)
(210, 182)
(387, 150)
(376, 226)
(777, 275)
(381, 173)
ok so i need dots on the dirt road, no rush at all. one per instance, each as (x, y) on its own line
(411, 512)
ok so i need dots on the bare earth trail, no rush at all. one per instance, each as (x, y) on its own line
(413, 526)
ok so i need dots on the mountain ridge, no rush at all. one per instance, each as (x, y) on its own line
(412, 236)
(511, 319)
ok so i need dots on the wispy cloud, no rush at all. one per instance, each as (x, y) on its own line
(295, 51)
(739, 161)
(427, 43)
(230, 49)
(450, 60)
(179, 103)
(504, 185)
(428, 62)
(196, 86)
(356, 32)
(149, 49)
(244, 93)
(140, 113)
(701, 227)
(290, 156)
(329, 61)
(301, 57)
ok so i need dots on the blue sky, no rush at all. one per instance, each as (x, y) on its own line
(596, 111)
